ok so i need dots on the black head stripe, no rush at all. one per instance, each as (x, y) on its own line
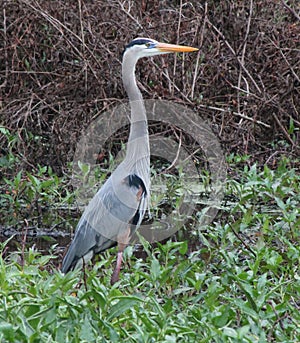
(137, 41)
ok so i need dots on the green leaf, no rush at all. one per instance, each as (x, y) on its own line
(155, 268)
(34, 180)
(280, 204)
(123, 304)
(229, 332)
(8, 331)
(183, 248)
(86, 331)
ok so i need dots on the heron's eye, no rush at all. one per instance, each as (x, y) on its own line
(148, 45)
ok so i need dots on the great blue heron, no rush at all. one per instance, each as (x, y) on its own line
(118, 208)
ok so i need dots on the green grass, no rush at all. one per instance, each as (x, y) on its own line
(169, 297)
(241, 285)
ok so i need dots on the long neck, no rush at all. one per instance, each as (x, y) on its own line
(138, 143)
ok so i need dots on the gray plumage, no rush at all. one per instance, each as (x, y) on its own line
(119, 206)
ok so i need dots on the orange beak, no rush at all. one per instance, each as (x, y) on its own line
(164, 47)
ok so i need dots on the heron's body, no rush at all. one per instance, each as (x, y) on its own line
(119, 206)
(104, 220)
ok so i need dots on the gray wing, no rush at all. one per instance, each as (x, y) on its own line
(115, 207)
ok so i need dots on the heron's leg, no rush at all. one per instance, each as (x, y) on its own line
(123, 240)
(116, 272)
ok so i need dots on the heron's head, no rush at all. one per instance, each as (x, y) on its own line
(144, 47)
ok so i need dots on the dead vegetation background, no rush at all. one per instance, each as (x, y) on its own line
(60, 67)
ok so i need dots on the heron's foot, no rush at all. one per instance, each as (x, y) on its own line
(116, 272)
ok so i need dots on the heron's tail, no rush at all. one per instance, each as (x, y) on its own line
(86, 243)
